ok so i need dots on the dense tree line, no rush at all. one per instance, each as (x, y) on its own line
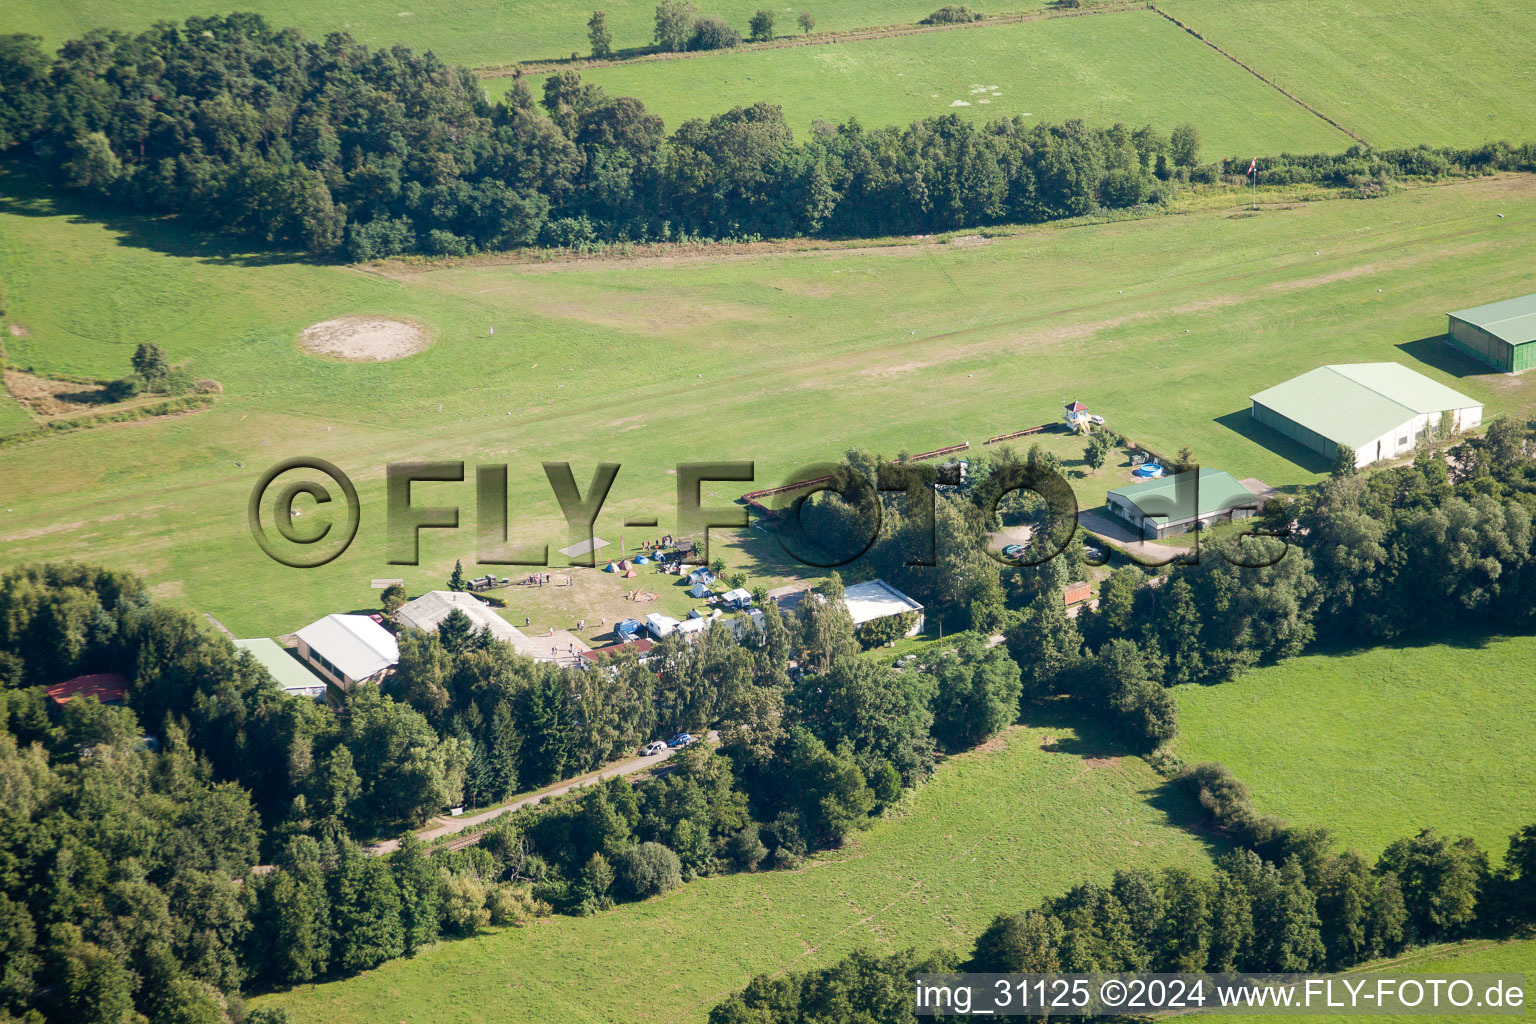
(129, 871)
(342, 150)
(1327, 912)
(339, 150)
(1376, 171)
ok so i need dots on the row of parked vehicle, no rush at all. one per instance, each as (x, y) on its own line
(682, 739)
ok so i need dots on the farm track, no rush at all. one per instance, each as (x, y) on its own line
(1309, 108)
(853, 35)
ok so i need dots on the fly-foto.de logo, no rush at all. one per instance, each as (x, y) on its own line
(309, 541)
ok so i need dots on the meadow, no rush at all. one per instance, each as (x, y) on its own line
(1381, 743)
(470, 32)
(991, 833)
(1164, 325)
(1133, 67)
(1395, 72)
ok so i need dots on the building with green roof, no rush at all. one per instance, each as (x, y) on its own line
(288, 671)
(1501, 334)
(1377, 410)
(1182, 502)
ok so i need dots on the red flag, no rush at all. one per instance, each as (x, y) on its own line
(1253, 166)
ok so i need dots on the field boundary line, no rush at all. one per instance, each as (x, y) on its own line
(1255, 73)
(851, 35)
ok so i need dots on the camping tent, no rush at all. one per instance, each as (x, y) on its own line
(698, 590)
(642, 560)
(631, 574)
(609, 568)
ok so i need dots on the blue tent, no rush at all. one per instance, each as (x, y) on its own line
(642, 560)
(698, 590)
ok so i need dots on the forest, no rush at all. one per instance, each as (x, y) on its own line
(342, 152)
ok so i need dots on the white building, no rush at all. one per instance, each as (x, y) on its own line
(873, 599)
(877, 599)
(348, 649)
(428, 611)
(1377, 410)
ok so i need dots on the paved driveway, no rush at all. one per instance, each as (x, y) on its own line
(1119, 533)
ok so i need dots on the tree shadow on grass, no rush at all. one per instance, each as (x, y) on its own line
(25, 193)
(1093, 740)
(1242, 422)
(1429, 636)
(1438, 352)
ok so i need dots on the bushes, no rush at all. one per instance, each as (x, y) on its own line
(951, 14)
(1360, 166)
(649, 869)
(885, 630)
(713, 33)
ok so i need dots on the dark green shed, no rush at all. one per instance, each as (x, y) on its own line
(1501, 334)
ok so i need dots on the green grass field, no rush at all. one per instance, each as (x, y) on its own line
(776, 356)
(1396, 72)
(13, 416)
(1134, 67)
(990, 833)
(472, 32)
(1380, 744)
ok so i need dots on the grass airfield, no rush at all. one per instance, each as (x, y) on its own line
(1164, 325)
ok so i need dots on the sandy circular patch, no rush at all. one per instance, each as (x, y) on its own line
(365, 339)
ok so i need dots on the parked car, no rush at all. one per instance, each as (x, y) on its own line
(682, 739)
(652, 748)
(1013, 551)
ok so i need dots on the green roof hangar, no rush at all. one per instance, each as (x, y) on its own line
(1377, 410)
(1182, 502)
(1501, 334)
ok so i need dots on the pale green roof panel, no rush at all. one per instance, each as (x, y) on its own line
(1332, 405)
(1355, 403)
(1405, 387)
(1513, 320)
(1219, 491)
(282, 666)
